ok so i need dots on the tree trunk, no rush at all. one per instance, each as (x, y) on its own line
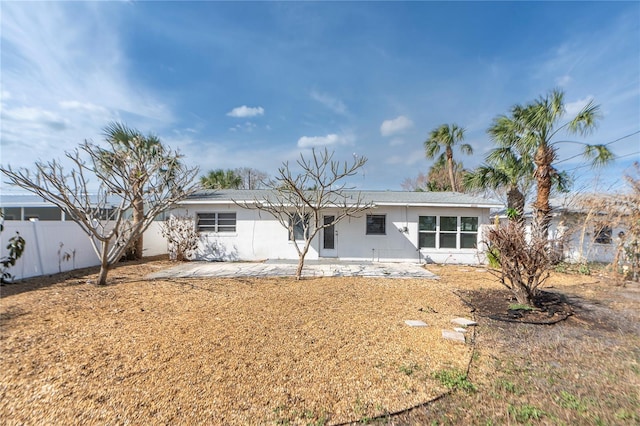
(301, 256)
(523, 296)
(515, 200)
(452, 175)
(543, 159)
(138, 217)
(104, 264)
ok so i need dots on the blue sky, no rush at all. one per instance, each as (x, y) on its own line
(248, 84)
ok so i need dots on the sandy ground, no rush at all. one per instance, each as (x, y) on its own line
(221, 351)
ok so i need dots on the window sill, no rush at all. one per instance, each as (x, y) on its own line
(219, 234)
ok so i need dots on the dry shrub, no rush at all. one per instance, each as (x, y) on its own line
(521, 261)
(182, 237)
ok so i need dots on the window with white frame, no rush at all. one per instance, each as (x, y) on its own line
(468, 232)
(216, 222)
(427, 231)
(297, 227)
(447, 232)
(376, 224)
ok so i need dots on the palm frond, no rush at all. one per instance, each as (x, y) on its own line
(586, 120)
(599, 155)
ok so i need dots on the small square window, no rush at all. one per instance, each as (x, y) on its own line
(376, 224)
(448, 241)
(469, 224)
(469, 240)
(427, 240)
(448, 224)
(602, 234)
(427, 223)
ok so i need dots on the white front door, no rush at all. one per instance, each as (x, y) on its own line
(329, 239)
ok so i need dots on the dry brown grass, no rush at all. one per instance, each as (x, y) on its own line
(582, 371)
(329, 350)
(225, 351)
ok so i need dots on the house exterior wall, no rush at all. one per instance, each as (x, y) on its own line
(259, 236)
(579, 234)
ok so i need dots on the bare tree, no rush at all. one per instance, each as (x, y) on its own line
(299, 201)
(102, 215)
(417, 184)
(251, 178)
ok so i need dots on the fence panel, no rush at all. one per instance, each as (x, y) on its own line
(53, 247)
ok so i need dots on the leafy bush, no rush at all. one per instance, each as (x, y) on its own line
(16, 248)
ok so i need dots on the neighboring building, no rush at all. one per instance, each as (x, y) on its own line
(587, 234)
(579, 233)
(432, 227)
(26, 207)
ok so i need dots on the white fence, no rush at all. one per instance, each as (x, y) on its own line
(55, 246)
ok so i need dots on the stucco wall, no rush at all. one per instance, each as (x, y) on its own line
(579, 233)
(260, 236)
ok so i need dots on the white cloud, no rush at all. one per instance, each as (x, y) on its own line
(572, 108)
(334, 104)
(246, 127)
(245, 111)
(83, 106)
(314, 141)
(57, 88)
(397, 125)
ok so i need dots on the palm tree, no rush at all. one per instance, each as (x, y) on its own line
(221, 179)
(446, 137)
(133, 147)
(504, 169)
(530, 130)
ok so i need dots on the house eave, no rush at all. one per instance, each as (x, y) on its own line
(373, 205)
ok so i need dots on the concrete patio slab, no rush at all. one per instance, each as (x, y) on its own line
(287, 268)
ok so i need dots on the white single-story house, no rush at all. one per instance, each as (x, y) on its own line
(432, 227)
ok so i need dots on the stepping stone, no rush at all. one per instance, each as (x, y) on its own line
(460, 329)
(453, 335)
(463, 321)
(415, 323)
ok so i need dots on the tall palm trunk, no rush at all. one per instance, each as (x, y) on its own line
(138, 217)
(516, 200)
(452, 175)
(134, 252)
(543, 159)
